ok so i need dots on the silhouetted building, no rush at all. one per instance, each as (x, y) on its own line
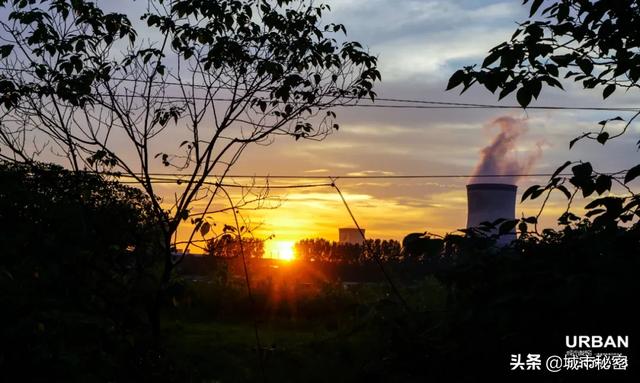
(350, 235)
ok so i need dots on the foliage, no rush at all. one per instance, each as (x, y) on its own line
(592, 42)
(213, 78)
(523, 298)
(421, 246)
(78, 267)
(321, 250)
(595, 43)
(487, 303)
(228, 246)
(579, 279)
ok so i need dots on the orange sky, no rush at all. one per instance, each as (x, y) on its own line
(419, 45)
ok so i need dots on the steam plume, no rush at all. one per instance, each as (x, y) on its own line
(500, 158)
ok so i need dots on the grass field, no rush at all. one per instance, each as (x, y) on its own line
(333, 336)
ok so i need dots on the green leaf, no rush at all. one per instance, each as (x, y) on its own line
(632, 174)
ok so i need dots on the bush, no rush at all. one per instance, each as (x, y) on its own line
(77, 271)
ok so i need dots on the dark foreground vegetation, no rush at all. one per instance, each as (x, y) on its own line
(78, 276)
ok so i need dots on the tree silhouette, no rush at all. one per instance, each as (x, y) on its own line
(209, 79)
(78, 265)
(592, 42)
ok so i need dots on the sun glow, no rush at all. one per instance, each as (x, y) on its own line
(283, 250)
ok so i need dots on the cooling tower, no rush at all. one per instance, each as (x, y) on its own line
(350, 235)
(489, 202)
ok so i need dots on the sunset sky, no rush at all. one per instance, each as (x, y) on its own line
(420, 44)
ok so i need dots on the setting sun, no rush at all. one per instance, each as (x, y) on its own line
(283, 250)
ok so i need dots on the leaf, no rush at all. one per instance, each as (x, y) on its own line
(608, 90)
(603, 183)
(602, 137)
(534, 7)
(585, 65)
(522, 227)
(536, 87)
(507, 227)
(564, 190)
(607, 202)
(560, 169)
(456, 79)
(582, 170)
(572, 142)
(529, 192)
(632, 174)
(491, 58)
(204, 228)
(524, 96)
(594, 212)
(562, 60)
(507, 89)
(5, 50)
(588, 188)
(537, 193)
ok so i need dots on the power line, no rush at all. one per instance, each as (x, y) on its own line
(393, 286)
(433, 104)
(159, 180)
(227, 185)
(298, 176)
(422, 104)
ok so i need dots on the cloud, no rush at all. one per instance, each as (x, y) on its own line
(421, 37)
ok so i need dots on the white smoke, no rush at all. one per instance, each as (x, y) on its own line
(500, 156)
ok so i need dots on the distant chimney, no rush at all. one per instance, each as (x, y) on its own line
(489, 202)
(350, 235)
